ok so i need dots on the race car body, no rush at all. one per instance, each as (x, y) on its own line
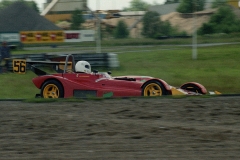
(102, 84)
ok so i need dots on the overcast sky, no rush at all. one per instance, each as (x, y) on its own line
(105, 4)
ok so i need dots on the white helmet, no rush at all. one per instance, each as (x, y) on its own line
(83, 66)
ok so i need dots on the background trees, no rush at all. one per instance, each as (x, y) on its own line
(190, 6)
(31, 4)
(77, 19)
(151, 24)
(219, 3)
(121, 30)
(153, 27)
(137, 5)
(172, 1)
(223, 21)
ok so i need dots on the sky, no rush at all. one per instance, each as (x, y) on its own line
(106, 4)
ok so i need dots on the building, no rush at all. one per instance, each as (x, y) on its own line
(19, 17)
(61, 10)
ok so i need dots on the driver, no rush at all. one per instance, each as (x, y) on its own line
(83, 66)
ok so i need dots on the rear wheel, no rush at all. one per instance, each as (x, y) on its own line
(153, 88)
(52, 89)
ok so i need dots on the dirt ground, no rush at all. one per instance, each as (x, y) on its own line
(132, 128)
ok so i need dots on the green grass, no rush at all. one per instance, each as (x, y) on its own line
(217, 68)
(17, 85)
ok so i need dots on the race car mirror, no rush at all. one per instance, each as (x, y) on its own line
(19, 66)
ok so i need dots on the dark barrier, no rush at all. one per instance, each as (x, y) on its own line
(109, 60)
(172, 37)
(32, 57)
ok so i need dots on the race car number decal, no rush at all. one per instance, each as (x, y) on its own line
(19, 66)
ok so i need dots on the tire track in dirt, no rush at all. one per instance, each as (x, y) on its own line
(133, 128)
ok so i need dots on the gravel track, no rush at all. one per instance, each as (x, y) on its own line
(134, 128)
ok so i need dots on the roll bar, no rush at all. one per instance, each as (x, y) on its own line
(66, 63)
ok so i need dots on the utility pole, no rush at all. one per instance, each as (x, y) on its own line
(98, 18)
(194, 34)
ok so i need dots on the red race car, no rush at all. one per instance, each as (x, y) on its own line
(77, 80)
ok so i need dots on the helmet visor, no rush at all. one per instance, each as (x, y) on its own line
(87, 66)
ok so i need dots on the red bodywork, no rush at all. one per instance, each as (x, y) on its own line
(102, 83)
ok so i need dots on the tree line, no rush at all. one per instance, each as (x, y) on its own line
(31, 4)
(223, 21)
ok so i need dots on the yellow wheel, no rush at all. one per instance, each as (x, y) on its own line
(52, 89)
(153, 88)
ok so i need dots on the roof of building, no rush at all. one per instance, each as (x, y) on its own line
(164, 9)
(133, 13)
(19, 17)
(169, 8)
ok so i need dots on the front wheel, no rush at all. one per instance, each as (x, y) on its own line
(52, 89)
(197, 88)
(153, 88)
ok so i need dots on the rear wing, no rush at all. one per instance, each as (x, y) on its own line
(20, 65)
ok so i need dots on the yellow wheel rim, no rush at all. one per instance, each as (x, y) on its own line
(152, 89)
(51, 91)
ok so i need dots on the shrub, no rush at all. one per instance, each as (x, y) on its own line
(121, 30)
(223, 21)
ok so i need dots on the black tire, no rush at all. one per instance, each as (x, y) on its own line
(192, 87)
(153, 88)
(52, 89)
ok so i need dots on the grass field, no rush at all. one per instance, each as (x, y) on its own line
(217, 68)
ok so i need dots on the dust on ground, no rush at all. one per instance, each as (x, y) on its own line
(132, 128)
